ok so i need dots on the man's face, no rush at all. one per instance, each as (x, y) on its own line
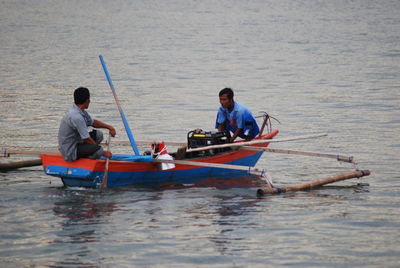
(86, 103)
(225, 101)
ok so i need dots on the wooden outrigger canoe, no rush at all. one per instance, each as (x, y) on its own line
(204, 168)
(143, 170)
(228, 161)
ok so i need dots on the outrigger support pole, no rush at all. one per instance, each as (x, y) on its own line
(250, 170)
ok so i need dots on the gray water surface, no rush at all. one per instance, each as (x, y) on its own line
(318, 66)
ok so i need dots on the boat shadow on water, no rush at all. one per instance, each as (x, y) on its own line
(220, 183)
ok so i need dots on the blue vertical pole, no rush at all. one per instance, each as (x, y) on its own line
(128, 130)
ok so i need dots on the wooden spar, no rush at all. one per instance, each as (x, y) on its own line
(169, 143)
(342, 158)
(7, 153)
(265, 121)
(20, 164)
(316, 183)
(239, 144)
(4, 152)
(250, 170)
(127, 128)
(174, 143)
(104, 182)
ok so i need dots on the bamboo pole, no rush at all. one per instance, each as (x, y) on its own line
(250, 170)
(338, 157)
(238, 144)
(127, 128)
(174, 143)
(20, 164)
(7, 153)
(105, 177)
(316, 183)
(169, 143)
(266, 117)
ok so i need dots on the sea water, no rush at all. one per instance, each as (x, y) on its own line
(317, 66)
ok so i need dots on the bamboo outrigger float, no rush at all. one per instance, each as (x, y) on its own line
(20, 164)
(313, 184)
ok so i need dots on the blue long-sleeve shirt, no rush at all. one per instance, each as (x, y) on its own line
(239, 117)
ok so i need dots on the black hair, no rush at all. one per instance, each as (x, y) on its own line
(81, 94)
(228, 91)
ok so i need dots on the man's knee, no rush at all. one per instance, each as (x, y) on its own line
(97, 135)
(97, 154)
(85, 150)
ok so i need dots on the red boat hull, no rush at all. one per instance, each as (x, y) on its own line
(141, 171)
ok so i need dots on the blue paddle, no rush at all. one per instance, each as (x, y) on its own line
(128, 130)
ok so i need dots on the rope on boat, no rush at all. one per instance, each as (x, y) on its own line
(266, 177)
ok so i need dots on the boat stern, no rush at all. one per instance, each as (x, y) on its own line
(77, 173)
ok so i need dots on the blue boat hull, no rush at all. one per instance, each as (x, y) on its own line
(82, 178)
(143, 171)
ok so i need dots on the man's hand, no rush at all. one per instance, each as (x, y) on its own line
(99, 124)
(112, 131)
(237, 132)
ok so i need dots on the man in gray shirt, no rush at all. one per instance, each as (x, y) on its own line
(74, 139)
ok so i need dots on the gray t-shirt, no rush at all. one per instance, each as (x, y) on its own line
(73, 130)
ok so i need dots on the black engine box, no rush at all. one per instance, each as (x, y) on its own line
(200, 138)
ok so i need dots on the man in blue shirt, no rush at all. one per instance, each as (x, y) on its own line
(74, 139)
(235, 117)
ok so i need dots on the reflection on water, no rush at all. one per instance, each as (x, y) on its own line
(224, 183)
(83, 210)
(232, 214)
(82, 214)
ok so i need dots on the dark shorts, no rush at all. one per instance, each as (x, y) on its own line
(85, 150)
